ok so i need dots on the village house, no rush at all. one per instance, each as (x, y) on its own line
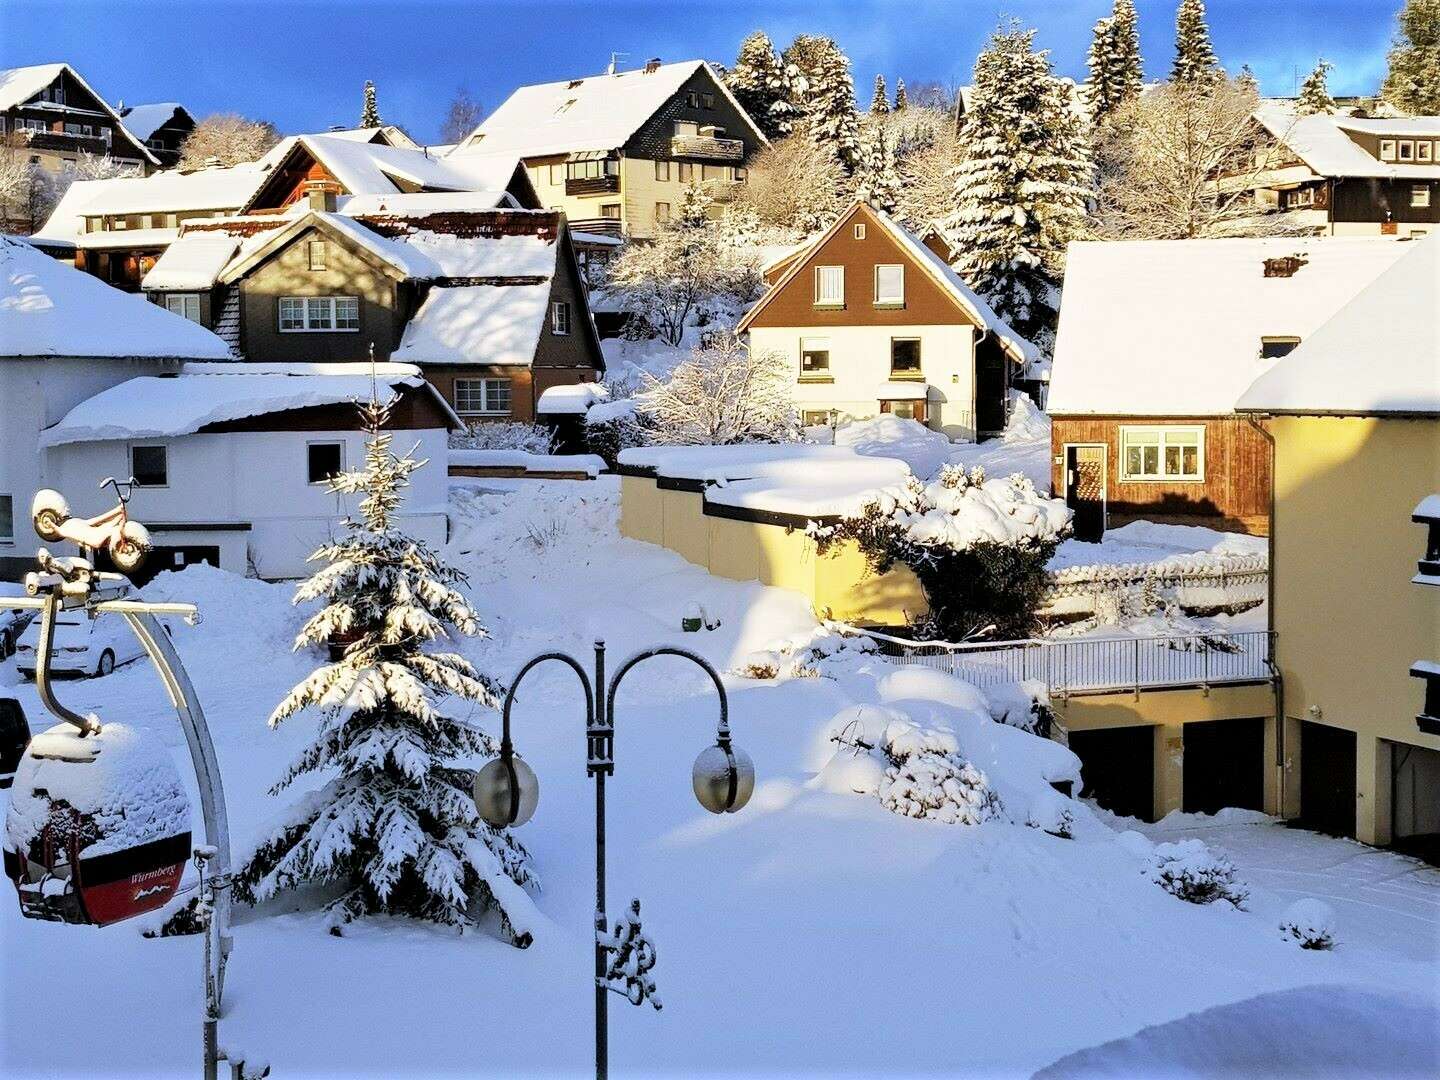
(51, 114)
(1346, 175)
(1157, 340)
(616, 151)
(1354, 421)
(874, 322)
(163, 127)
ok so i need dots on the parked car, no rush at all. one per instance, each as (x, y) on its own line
(83, 646)
(14, 737)
(12, 620)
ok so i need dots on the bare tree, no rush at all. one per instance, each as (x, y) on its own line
(461, 118)
(27, 189)
(928, 150)
(724, 393)
(1184, 160)
(795, 184)
(227, 139)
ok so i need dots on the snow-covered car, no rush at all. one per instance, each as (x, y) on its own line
(12, 625)
(83, 646)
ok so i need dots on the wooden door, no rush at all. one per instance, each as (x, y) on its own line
(991, 388)
(1085, 490)
(1327, 779)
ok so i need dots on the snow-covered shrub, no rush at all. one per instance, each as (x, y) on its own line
(759, 665)
(504, 435)
(724, 393)
(1309, 924)
(924, 775)
(1195, 873)
(1053, 814)
(978, 547)
(1025, 705)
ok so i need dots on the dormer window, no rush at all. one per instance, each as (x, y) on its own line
(1387, 149)
(1405, 150)
(1272, 348)
(1425, 151)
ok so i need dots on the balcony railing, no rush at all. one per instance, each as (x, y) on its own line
(591, 185)
(602, 226)
(707, 148)
(64, 140)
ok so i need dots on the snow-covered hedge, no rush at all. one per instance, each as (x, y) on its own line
(1309, 924)
(505, 435)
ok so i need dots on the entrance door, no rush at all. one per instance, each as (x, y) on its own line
(1224, 765)
(1327, 779)
(991, 388)
(1117, 768)
(1085, 490)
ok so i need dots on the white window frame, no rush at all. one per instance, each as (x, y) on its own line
(323, 442)
(1387, 149)
(1420, 196)
(1160, 441)
(315, 253)
(1425, 151)
(662, 170)
(890, 301)
(148, 446)
(859, 231)
(331, 306)
(815, 344)
(8, 537)
(486, 387)
(560, 318)
(662, 212)
(917, 372)
(824, 299)
(177, 303)
(1401, 147)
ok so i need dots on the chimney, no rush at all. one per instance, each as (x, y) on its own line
(321, 194)
(652, 65)
(1284, 267)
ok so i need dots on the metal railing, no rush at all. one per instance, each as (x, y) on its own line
(1087, 665)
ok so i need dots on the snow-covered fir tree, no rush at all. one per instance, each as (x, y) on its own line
(394, 828)
(902, 101)
(1412, 83)
(1022, 185)
(1314, 93)
(1247, 80)
(876, 180)
(879, 103)
(370, 112)
(759, 82)
(1195, 59)
(1114, 61)
(825, 96)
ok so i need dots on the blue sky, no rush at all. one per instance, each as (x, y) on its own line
(301, 63)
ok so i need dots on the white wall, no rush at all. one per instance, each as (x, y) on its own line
(860, 364)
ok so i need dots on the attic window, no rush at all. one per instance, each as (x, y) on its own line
(1387, 149)
(316, 252)
(1284, 267)
(1272, 348)
(860, 231)
(1406, 149)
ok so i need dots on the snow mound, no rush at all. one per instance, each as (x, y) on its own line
(1309, 923)
(1026, 423)
(889, 436)
(927, 684)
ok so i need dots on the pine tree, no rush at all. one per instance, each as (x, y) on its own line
(876, 179)
(1116, 74)
(1022, 185)
(395, 828)
(1099, 94)
(1247, 81)
(760, 83)
(901, 101)
(879, 103)
(825, 96)
(1412, 84)
(370, 112)
(1195, 60)
(1314, 94)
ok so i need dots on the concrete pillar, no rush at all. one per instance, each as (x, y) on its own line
(1291, 803)
(1169, 768)
(1271, 798)
(1368, 818)
(1379, 795)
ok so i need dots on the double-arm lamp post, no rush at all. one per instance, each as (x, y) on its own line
(507, 792)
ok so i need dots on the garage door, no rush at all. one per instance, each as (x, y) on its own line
(1415, 801)
(1224, 765)
(1327, 779)
(1117, 766)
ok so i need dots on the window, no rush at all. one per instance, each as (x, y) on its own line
(707, 101)
(906, 410)
(592, 170)
(662, 170)
(692, 98)
(324, 461)
(560, 317)
(148, 466)
(859, 231)
(557, 173)
(1272, 348)
(610, 211)
(890, 284)
(1300, 197)
(741, 175)
(814, 358)
(1164, 453)
(829, 286)
(1420, 195)
(299, 314)
(905, 356)
(687, 172)
(315, 252)
(186, 305)
(686, 129)
(662, 211)
(481, 397)
(7, 517)
(1424, 151)
(816, 417)
(1387, 149)
(1406, 148)
(714, 172)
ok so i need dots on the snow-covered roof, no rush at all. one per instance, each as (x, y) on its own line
(596, 113)
(426, 202)
(476, 324)
(50, 309)
(365, 168)
(1174, 327)
(153, 407)
(1378, 354)
(192, 262)
(572, 399)
(19, 85)
(484, 169)
(1020, 349)
(144, 120)
(1320, 140)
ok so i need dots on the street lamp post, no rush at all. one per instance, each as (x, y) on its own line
(507, 792)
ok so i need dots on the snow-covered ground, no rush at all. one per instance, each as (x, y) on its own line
(816, 932)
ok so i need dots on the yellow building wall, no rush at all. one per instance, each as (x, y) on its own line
(641, 517)
(1350, 622)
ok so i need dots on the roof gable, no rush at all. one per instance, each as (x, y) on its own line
(19, 85)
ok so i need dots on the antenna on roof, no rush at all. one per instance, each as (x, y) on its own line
(615, 58)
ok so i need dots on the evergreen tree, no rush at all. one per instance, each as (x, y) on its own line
(1247, 82)
(879, 103)
(1195, 60)
(901, 101)
(394, 828)
(370, 112)
(1412, 84)
(825, 96)
(760, 83)
(1099, 94)
(1116, 74)
(1314, 94)
(876, 179)
(1022, 185)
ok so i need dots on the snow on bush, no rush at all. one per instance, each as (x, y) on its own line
(724, 393)
(1309, 923)
(1024, 705)
(807, 656)
(1193, 872)
(504, 435)
(979, 547)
